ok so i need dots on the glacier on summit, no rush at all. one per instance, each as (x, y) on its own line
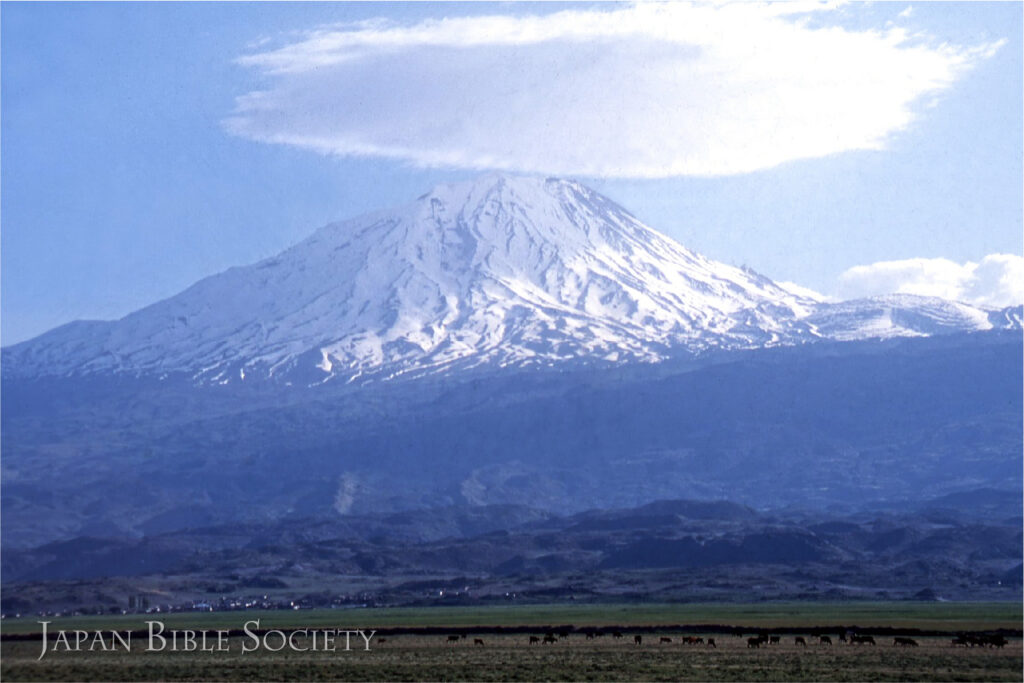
(497, 271)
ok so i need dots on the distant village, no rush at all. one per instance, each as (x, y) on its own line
(143, 603)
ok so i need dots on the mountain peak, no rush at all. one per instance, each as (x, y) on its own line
(495, 181)
(529, 193)
(499, 270)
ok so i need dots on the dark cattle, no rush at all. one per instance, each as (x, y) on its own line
(478, 641)
(381, 640)
(824, 640)
(534, 639)
(960, 640)
(688, 640)
(753, 642)
(774, 640)
(904, 641)
(550, 639)
(563, 634)
(994, 641)
(799, 640)
(454, 639)
(862, 640)
(638, 640)
(842, 638)
(711, 643)
(663, 639)
(616, 634)
(698, 641)
(762, 638)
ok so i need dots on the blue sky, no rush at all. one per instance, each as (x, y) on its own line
(136, 160)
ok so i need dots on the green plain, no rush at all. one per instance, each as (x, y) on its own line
(939, 616)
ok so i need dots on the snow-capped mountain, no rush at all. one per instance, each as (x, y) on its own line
(501, 270)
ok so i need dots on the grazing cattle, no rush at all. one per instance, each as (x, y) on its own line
(478, 641)
(799, 640)
(960, 640)
(903, 641)
(753, 642)
(774, 640)
(994, 641)
(711, 643)
(638, 640)
(663, 639)
(842, 638)
(534, 639)
(862, 640)
(563, 634)
(381, 640)
(616, 634)
(824, 640)
(454, 639)
(549, 638)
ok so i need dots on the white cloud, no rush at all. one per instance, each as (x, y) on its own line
(650, 90)
(996, 281)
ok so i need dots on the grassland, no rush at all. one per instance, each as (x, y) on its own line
(507, 656)
(938, 616)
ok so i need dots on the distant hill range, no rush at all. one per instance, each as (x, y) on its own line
(666, 550)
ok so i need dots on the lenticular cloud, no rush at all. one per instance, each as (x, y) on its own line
(645, 91)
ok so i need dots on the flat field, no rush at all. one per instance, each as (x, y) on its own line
(942, 616)
(414, 655)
